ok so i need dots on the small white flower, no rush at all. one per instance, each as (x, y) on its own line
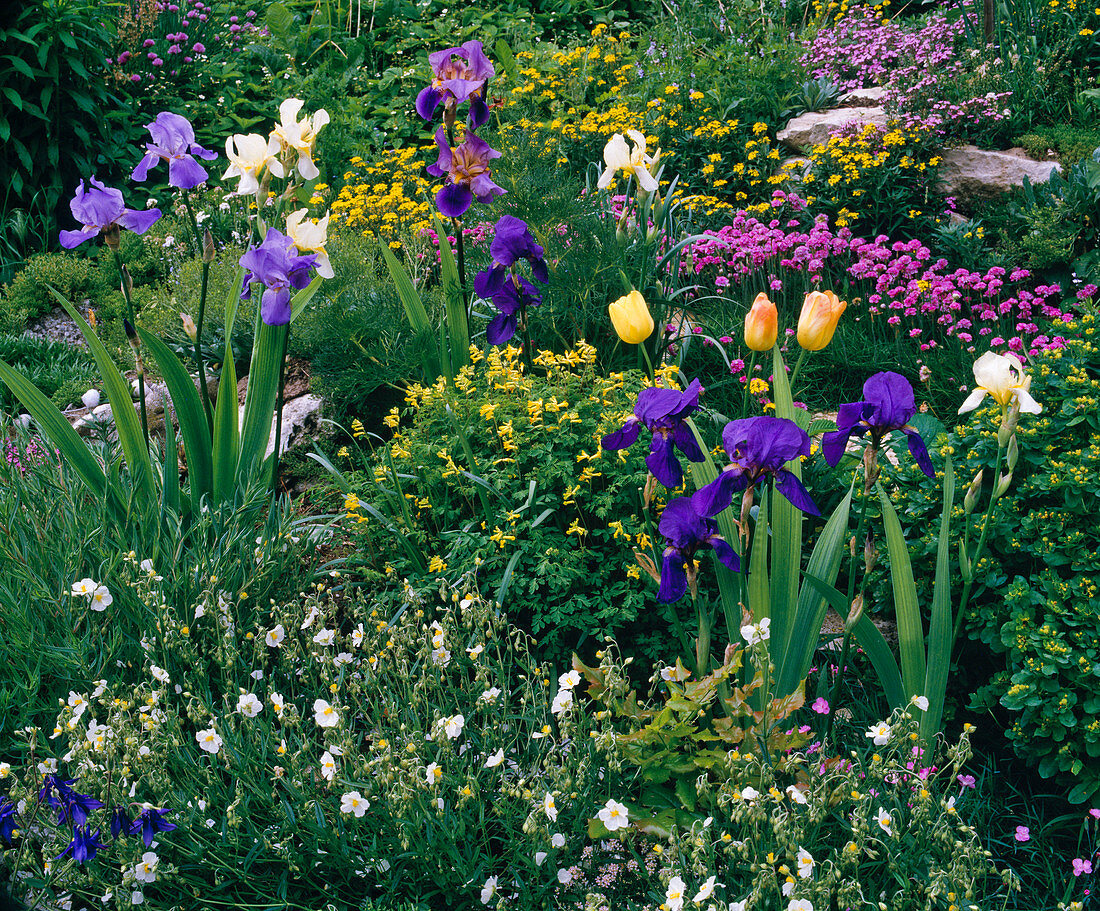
(568, 680)
(354, 802)
(278, 703)
(475, 652)
(805, 863)
(754, 633)
(557, 840)
(249, 705)
(674, 897)
(101, 599)
(749, 794)
(453, 725)
(488, 890)
(884, 821)
(136, 898)
(550, 807)
(441, 657)
(614, 816)
(800, 904)
(490, 695)
(565, 877)
(159, 674)
(921, 702)
(84, 587)
(433, 773)
(496, 759)
(324, 637)
(314, 613)
(705, 891)
(100, 689)
(879, 734)
(146, 869)
(77, 703)
(357, 636)
(738, 906)
(343, 658)
(328, 766)
(324, 714)
(795, 793)
(209, 740)
(275, 637)
(675, 674)
(561, 702)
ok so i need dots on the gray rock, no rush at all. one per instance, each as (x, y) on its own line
(873, 96)
(968, 172)
(301, 422)
(815, 127)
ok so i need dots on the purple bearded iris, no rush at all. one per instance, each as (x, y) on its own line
(888, 404)
(758, 447)
(149, 822)
(84, 846)
(662, 412)
(7, 821)
(458, 74)
(174, 142)
(509, 292)
(687, 531)
(468, 174)
(277, 265)
(101, 210)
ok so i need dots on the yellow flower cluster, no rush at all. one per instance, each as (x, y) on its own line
(388, 198)
(835, 10)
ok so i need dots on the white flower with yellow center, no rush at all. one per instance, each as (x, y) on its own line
(354, 802)
(453, 725)
(101, 599)
(84, 587)
(884, 821)
(614, 816)
(805, 863)
(145, 871)
(489, 890)
(328, 766)
(705, 891)
(310, 237)
(549, 807)
(496, 759)
(1002, 377)
(299, 135)
(274, 637)
(209, 741)
(879, 734)
(249, 156)
(324, 714)
(77, 703)
(249, 705)
(674, 897)
(618, 155)
(433, 773)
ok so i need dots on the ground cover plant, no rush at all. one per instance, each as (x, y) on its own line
(689, 526)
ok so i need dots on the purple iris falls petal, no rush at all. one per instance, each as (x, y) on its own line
(98, 208)
(427, 101)
(488, 282)
(624, 436)
(919, 451)
(479, 114)
(454, 199)
(687, 532)
(663, 411)
(758, 447)
(849, 417)
(275, 307)
(662, 462)
(173, 140)
(787, 483)
(277, 265)
(501, 328)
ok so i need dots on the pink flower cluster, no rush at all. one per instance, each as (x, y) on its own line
(923, 69)
(899, 284)
(33, 454)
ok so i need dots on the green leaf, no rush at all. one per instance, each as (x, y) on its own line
(226, 429)
(786, 525)
(279, 20)
(18, 63)
(458, 329)
(882, 659)
(259, 399)
(415, 313)
(940, 630)
(507, 60)
(57, 427)
(123, 413)
(192, 418)
(170, 472)
(13, 96)
(759, 586)
(300, 300)
(906, 610)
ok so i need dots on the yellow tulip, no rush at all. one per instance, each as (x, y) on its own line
(761, 324)
(816, 324)
(631, 319)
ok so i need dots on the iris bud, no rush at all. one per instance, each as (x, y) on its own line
(208, 247)
(631, 318)
(189, 327)
(971, 498)
(855, 614)
(761, 324)
(817, 322)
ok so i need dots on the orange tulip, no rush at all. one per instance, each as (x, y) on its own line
(816, 324)
(761, 324)
(631, 319)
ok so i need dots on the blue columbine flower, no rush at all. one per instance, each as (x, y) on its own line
(687, 531)
(149, 822)
(888, 404)
(277, 265)
(7, 821)
(662, 412)
(758, 447)
(84, 846)
(120, 821)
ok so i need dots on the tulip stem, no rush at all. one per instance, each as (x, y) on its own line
(648, 362)
(797, 367)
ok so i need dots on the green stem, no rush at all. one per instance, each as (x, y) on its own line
(279, 413)
(198, 350)
(196, 235)
(797, 367)
(138, 365)
(702, 641)
(986, 521)
(648, 362)
(748, 381)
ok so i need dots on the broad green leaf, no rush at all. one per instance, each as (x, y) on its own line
(759, 585)
(123, 413)
(786, 525)
(940, 629)
(226, 430)
(192, 418)
(300, 300)
(877, 648)
(259, 400)
(910, 628)
(458, 329)
(415, 313)
(279, 20)
(170, 472)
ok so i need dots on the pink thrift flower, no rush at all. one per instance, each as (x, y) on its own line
(821, 706)
(1023, 833)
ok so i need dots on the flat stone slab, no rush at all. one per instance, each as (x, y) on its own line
(972, 173)
(815, 127)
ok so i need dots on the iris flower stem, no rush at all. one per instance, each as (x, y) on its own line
(279, 413)
(460, 244)
(196, 235)
(527, 342)
(134, 344)
(648, 362)
(986, 521)
(861, 526)
(198, 350)
(702, 641)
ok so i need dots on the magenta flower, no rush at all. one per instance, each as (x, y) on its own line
(174, 142)
(277, 265)
(100, 210)
(458, 74)
(758, 447)
(966, 781)
(888, 404)
(687, 532)
(821, 705)
(662, 412)
(1023, 833)
(1081, 867)
(468, 174)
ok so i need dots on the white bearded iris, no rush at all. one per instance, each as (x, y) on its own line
(1001, 376)
(619, 156)
(310, 237)
(248, 157)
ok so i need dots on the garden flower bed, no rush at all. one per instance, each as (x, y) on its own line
(627, 437)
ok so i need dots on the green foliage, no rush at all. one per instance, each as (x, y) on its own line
(441, 687)
(59, 122)
(1034, 601)
(75, 278)
(62, 371)
(1070, 143)
(506, 474)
